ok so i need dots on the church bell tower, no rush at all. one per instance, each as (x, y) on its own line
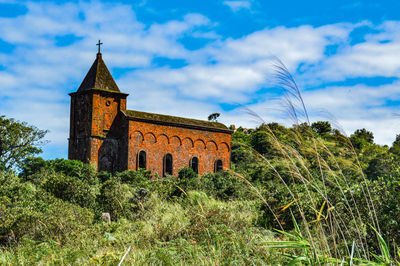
(95, 108)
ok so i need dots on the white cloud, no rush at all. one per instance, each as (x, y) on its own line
(242, 66)
(238, 5)
(377, 55)
(358, 106)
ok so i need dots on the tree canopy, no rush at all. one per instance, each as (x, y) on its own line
(18, 140)
(213, 117)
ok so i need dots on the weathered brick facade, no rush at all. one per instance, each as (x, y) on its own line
(104, 132)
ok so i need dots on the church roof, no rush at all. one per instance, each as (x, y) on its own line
(176, 121)
(99, 78)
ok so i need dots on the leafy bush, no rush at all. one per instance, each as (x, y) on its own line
(71, 189)
(140, 178)
(31, 166)
(224, 186)
(115, 198)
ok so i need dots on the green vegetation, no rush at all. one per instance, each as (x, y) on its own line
(305, 194)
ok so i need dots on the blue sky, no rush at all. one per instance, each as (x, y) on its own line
(193, 58)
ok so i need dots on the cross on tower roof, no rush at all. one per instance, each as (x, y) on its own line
(99, 44)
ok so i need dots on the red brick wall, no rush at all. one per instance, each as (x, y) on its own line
(105, 109)
(182, 143)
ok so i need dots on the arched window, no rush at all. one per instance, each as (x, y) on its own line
(167, 165)
(218, 166)
(194, 164)
(141, 162)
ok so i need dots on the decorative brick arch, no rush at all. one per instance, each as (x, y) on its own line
(137, 136)
(224, 147)
(176, 141)
(162, 139)
(150, 138)
(200, 144)
(211, 146)
(187, 143)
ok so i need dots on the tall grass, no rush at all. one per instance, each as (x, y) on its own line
(332, 236)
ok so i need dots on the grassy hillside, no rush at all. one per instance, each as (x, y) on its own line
(306, 194)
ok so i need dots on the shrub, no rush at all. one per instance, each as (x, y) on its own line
(139, 178)
(74, 168)
(224, 186)
(42, 220)
(115, 199)
(165, 187)
(71, 189)
(187, 180)
(32, 165)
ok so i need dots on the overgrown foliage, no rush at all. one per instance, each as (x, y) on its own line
(51, 212)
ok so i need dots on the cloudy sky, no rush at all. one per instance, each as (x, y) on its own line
(193, 58)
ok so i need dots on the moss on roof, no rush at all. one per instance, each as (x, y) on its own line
(175, 120)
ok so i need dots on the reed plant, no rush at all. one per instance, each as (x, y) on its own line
(338, 222)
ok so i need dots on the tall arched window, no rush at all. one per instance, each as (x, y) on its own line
(194, 164)
(167, 165)
(218, 166)
(141, 160)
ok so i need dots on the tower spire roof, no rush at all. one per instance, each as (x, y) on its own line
(98, 76)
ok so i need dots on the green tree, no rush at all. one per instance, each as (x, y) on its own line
(261, 141)
(18, 140)
(321, 127)
(361, 138)
(213, 117)
(71, 189)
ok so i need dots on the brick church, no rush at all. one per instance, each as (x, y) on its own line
(104, 132)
